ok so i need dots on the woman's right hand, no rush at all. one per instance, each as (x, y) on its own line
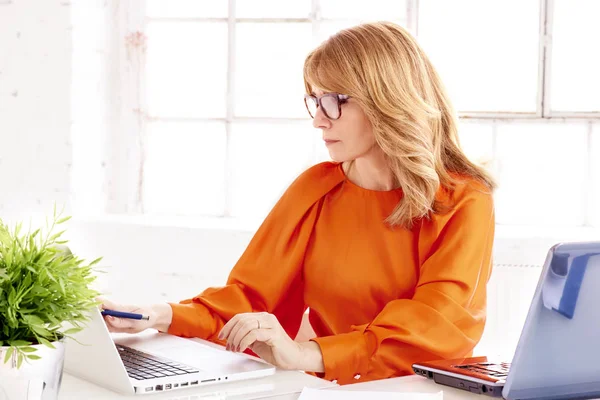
(160, 316)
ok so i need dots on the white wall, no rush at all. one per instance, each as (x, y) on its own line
(149, 260)
(145, 262)
(35, 116)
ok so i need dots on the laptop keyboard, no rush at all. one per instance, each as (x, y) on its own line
(140, 365)
(497, 370)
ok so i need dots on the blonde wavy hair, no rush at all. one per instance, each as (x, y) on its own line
(381, 66)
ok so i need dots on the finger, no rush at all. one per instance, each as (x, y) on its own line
(230, 325)
(243, 328)
(118, 330)
(248, 322)
(115, 330)
(256, 335)
(110, 322)
(120, 323)
(134, 329)
(226, 330)
(271, 321)
(109, 305)
(240, 328)
(106, 304)
(118, 326)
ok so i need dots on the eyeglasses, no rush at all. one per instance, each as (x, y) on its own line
(330, 103)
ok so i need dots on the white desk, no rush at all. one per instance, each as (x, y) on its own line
(412, 384)
(284, 385)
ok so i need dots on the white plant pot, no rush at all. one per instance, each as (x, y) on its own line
(35, 379)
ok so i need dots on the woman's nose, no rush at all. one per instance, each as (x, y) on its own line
(320, 120)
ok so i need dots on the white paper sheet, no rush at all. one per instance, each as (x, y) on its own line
(316, 394)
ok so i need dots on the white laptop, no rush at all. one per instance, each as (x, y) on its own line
(154, 362)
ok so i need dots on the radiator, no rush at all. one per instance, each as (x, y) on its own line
(510, 291)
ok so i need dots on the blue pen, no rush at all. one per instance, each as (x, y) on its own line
(120, 314)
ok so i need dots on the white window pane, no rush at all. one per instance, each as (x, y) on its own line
(575, 56)
(186, 69)
(272, 9)
(187, 8)
(595, 167)
(541, 174)
(363, 10)
(476, 140)
(184, 170)
(486, 52)
(269, 62)
(330, 28)
(266, 158)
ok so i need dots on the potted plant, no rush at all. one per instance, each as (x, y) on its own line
(43, 289)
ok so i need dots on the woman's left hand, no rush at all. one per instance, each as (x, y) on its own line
(264, 335)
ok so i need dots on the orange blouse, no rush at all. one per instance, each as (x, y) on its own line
(380, 298)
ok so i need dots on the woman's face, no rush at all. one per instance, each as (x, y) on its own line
(350, 136)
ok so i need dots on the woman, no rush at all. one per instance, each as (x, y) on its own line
(389, 246)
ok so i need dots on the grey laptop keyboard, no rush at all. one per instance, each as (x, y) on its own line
(141, 366)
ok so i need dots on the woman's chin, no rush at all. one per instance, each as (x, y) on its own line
(337, 157)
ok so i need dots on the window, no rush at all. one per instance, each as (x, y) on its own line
(268, 79)
(486, 52)
(186, 9)
(226, 129)
(186, 72)
(359, 11)
(575, 84)
(262, 9)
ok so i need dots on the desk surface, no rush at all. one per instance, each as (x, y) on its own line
(412, 384)
(284, 385)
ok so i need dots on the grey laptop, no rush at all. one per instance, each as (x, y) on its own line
(154, 362)
(558, 355)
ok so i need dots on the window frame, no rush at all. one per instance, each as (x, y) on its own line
(128, 198)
